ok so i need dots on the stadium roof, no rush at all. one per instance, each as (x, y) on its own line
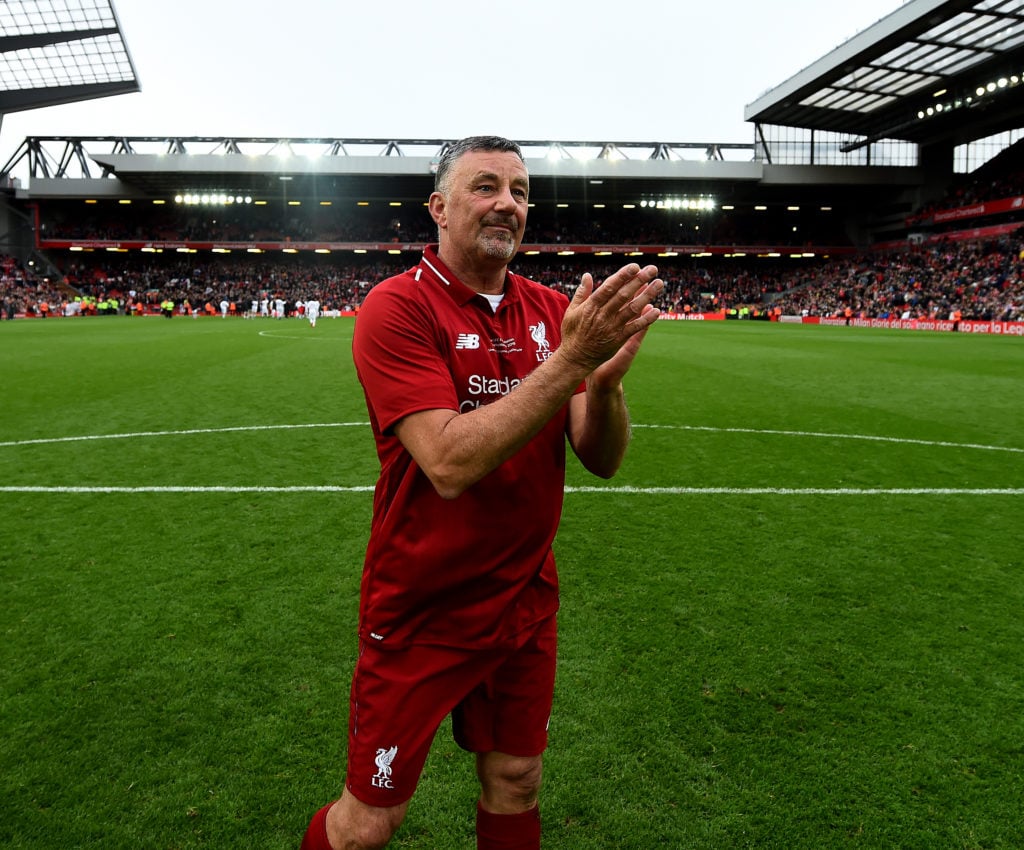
(61, 51)
(932, 71)
(929, 56)
(142, 167)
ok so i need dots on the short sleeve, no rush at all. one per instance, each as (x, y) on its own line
(399, 357)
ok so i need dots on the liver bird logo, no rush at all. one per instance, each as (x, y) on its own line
(539, 334)
(383, 761)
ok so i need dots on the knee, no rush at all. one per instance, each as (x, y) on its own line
(509, 784)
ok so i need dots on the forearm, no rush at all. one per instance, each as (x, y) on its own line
(455, 450)
(601, 429)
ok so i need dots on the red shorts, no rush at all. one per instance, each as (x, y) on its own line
(499, 699)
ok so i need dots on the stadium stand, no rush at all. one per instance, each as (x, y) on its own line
(979, 280)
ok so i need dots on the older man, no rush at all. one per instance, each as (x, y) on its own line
(475, 378)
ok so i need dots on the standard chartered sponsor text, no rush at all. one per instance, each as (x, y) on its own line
(481, 388)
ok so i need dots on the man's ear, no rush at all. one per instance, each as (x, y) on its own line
(436, 206)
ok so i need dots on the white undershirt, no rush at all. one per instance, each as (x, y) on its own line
(493, 300)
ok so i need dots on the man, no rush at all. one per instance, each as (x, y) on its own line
(312, 311)
(474, 378)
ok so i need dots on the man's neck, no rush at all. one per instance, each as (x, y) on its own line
(488, 279)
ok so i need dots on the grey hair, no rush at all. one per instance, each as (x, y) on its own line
(468, 145)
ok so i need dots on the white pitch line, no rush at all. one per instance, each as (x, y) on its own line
(804, 491)
(174, 488)
(816, 434)
(825, 435)
(273, 335)
(135, 434)
(647, 491)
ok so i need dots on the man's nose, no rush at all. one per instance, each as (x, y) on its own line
(505, 199)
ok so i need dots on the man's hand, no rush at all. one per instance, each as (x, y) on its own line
(605, 324)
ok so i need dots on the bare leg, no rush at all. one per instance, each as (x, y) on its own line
(354, 825)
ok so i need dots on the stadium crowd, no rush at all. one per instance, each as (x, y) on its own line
(980, 280)
(974, 190)
(971, 279)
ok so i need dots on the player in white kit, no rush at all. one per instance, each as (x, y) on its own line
(312, 311)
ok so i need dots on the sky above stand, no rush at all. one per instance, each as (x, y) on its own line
(537, 70)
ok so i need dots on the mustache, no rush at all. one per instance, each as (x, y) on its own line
(501, 221)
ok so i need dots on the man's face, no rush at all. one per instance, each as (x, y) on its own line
(482, 213)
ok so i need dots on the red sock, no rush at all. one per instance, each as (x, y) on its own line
(507, 832)
(316, 835)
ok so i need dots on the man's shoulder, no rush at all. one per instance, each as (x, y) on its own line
(403, 285)
(397, 281)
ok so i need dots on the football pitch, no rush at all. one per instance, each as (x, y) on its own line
(795, 619)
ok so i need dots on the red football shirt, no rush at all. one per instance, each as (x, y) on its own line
(475, 570)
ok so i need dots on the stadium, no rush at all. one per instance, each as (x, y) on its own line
(791, 621)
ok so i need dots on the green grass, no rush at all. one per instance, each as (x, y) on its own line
(792, 621)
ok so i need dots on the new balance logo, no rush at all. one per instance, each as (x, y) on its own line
(471, 341)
